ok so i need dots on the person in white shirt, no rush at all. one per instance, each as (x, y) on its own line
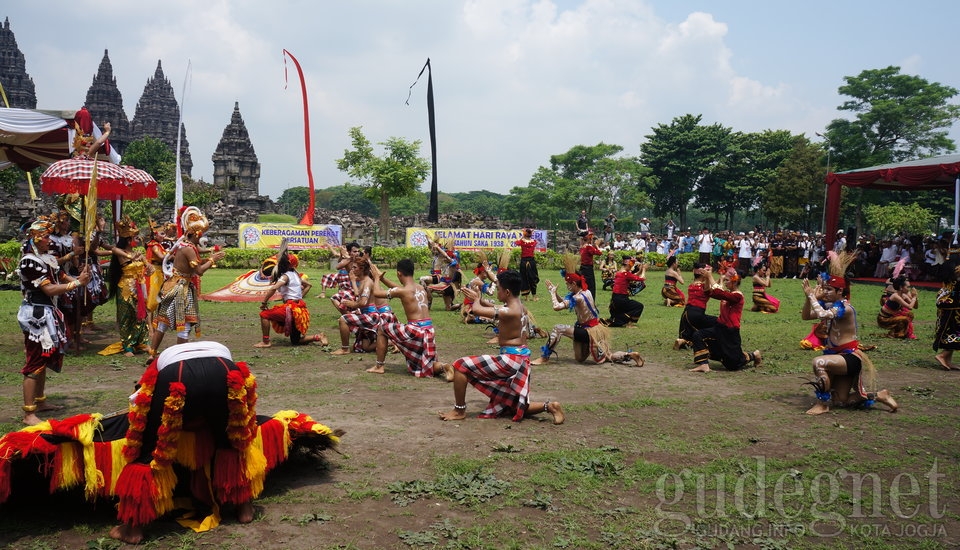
(887, 255)
(745, 245)
(705, 246)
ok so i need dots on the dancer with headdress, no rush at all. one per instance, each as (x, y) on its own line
(762, 301)
(291, 317)
(161, 239)
(128, 276)
(44, 331)
(178, 308)
(722, 342)
(485, 283)
(590, 337)
(843, 375)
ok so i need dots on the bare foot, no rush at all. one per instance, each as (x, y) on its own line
(679, 344)
(127, 533)
(128, 354)
(340, 351)
(31, 419)
(322, 338)
(635, 355)
(757, 358)
(455, 414)
(376, 369)
(494, 340)
(44, 406)
(942, 359)
(262, 344)
(540, 361)
(394, 349)
(245, 512)
(819, 408)
(700, 368)
(556, 410)
(884, 397)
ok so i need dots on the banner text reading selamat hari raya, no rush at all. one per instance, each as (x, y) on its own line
(474, 239)
(299, 237)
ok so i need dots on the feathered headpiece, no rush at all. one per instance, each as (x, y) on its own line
(569, 272)
(503, 259)
(898, 268)
(481, 259)
(837, 269)
(126, 227)
(193, 221)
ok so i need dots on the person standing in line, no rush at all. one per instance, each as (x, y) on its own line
(588, 251)
(44, 331)
(705, 246)
(529, 275)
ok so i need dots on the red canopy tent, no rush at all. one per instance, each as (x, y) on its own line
(941, 172)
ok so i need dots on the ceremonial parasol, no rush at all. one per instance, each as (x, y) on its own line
(113, 181)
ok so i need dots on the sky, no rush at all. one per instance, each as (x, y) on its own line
(515, 81)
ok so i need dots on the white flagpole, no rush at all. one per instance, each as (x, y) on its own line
(178, 198)
(956, 209)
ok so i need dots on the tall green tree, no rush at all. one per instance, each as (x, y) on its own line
(679, 156)
(591, 177)
(896, 117)
(795, 194)
(397, 173)
(294, 200)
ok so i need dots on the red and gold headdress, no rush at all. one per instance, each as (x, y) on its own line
(126, 227)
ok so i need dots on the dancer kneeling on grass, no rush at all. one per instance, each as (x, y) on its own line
(694, 316)
(590, 338)
(415, 338)
(625, 312)
(504, 378)
(762, 301)
(363, 317)
(844, 374)
(291, 318)
(722, 341)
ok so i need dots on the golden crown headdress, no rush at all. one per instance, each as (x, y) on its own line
(126, 227)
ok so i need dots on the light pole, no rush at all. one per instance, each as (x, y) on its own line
(823, 220)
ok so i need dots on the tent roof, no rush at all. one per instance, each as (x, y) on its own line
(928, 173)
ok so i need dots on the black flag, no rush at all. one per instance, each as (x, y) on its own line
(433, 215)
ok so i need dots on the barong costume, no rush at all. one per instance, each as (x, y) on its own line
(195, 409)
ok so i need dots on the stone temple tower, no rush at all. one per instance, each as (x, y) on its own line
(157, 116)
(105, 104)
(235, 166)
(17, 84)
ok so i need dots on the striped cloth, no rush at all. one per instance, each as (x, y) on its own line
(415, 340)
(504, 378)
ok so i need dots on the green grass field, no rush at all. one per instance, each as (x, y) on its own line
(649, 458)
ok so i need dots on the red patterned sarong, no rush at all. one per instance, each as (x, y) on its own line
(416, 342)
(505, 379)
